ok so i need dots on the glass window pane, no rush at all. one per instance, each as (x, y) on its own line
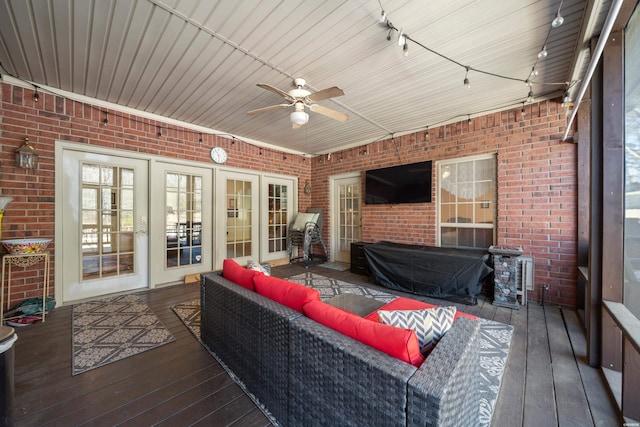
(467, 196)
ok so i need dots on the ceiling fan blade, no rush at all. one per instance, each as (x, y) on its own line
(271, 107)
(331, 92)
(329, 112)
(276, 91)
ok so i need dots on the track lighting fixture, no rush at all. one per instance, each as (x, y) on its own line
(543, 53)
(558, 20)
(466, 82)
(36, 95)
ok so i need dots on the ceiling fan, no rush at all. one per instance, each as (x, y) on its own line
(300, 98)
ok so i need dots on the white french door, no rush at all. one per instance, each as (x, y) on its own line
(277, 207)
(181, 228)
(346, 225)
(104, 239)
(237, 212)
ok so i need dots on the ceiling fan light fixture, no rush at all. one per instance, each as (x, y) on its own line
(299, 118)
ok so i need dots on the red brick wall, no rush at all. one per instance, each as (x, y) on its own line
(31, 213)
(536, 175)
(537, 192)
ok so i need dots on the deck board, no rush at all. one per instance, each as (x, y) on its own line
(602, 407)
(180, 383)
(539, 380)
(571, 402)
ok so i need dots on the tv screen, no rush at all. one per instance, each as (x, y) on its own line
(399, 184)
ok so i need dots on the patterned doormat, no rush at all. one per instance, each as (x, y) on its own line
(112, 329)
(494, 342)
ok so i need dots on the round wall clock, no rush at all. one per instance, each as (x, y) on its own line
(218, 155)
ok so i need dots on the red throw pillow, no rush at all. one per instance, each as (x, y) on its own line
(293, 295)
(233, 271)
(399, 343)
(402, 303)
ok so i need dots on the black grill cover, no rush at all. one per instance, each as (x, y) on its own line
(427, 270)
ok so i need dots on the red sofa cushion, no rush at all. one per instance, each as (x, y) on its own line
(233, 271)
(396, 342)
(293, 295)
(402, 303)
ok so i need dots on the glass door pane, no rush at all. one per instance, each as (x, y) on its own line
(349, 215)
(183, 219)
(278, 214)
(239, 218)
(107, 236)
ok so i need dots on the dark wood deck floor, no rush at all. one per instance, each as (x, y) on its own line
(547, 381)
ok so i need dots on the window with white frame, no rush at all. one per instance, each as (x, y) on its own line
(467, 201)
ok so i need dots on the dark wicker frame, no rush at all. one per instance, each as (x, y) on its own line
(250, 334)
(308, 374)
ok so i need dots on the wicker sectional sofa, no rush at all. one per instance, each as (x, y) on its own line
(307, 374)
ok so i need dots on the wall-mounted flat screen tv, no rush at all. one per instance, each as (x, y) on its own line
(409, 183)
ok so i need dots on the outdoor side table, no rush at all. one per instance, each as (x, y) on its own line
(25, 261)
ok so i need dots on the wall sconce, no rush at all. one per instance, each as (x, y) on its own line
(26, 156)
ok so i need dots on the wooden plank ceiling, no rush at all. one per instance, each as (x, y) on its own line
(198, 61)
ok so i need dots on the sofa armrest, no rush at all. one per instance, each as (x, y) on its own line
(444, 390)
(336, 380)
(250, 334)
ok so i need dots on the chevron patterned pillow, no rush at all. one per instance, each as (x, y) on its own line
(429, 324)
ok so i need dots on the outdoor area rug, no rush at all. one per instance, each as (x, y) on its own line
(329, 288)
(495, 337)
(108, 330)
